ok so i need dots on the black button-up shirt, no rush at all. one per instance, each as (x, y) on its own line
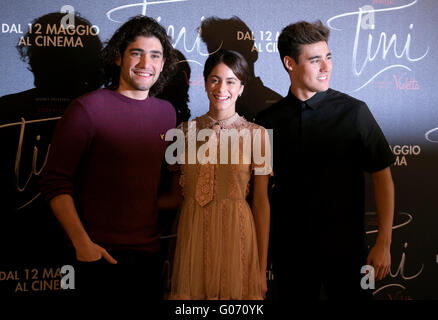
(321, 149)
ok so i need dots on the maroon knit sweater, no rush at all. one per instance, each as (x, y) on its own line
(106, 152)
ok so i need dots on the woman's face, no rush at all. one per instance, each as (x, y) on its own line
(223, 88)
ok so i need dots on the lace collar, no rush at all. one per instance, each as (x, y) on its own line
(234, 121)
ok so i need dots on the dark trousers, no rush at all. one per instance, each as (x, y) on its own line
(136, 274)
(327, 278)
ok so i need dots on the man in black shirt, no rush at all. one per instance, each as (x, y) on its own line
(324, 141)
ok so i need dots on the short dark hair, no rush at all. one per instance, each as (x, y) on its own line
(232, 59)
(300, 33)
(127, 33)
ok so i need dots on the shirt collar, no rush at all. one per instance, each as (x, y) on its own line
(228, 123)
(312, 103)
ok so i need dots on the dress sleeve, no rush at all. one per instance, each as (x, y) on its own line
(261, 162)
(71, 140)
(377, 154)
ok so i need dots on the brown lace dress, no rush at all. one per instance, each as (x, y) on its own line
(216, 255)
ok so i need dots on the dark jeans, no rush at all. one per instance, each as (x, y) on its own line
(136, 274)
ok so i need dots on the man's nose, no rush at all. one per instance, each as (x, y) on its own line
(325, 65)
(143, 61)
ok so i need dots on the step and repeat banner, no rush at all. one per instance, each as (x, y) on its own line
(384, 52)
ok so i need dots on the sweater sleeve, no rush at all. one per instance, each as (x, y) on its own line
(70, 142)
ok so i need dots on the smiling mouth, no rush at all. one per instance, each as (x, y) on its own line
(144, 74)
(323, 78)
(221, 98)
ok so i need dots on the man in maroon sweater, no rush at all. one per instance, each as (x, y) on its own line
(103, 170)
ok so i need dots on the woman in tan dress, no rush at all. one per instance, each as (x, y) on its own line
(221, 248)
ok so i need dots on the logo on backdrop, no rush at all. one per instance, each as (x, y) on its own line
(39, 280)
(432, 135)
(386, 47)
(385, 2)
(143, 6)
(29, 130)
(402, 82)
(403, 153)
(264, 41)
(396, 288)
(64, 34)
(33, 171)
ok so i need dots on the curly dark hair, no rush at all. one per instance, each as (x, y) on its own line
(127, 33)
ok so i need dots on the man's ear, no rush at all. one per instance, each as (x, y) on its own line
(289, 63)
(118, 59)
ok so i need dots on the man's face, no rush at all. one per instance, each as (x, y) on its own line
(312, 72)
(140, 67)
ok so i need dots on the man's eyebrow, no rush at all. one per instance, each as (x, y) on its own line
(136, 49)
(142, 50)
(318, 56)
